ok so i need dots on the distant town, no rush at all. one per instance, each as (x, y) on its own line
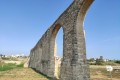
(16, 57)
(92, 61)
(102, 61)
(13, 56)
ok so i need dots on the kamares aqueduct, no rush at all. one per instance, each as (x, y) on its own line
(74, 64)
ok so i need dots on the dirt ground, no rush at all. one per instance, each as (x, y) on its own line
(100, 73)
(96, 73)
(21, 74)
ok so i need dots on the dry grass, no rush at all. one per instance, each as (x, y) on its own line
(21, 74)
(100, 73)
(96, 72)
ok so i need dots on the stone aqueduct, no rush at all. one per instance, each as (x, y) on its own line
(74, 65)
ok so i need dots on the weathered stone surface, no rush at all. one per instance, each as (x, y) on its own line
(26, 63)
(74, 65)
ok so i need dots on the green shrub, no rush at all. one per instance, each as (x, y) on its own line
(20, 65)
(9, 66)
(4, 58)
(117, 61)
(99, 62)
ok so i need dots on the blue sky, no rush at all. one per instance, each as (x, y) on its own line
(23, 22)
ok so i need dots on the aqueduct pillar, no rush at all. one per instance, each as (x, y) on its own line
(74, 64)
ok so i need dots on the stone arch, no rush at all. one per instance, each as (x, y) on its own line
(74, 65)
(53, 38)
(53, 46)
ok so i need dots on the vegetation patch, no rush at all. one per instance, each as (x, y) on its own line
(117, 61)
(9, 66)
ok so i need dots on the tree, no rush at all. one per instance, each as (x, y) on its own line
(99, 62)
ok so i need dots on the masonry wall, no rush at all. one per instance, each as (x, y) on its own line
(74, 65)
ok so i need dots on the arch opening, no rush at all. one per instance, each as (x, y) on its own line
(102, 37)
(57, 44)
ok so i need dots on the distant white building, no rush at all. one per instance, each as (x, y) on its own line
(106, 60)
